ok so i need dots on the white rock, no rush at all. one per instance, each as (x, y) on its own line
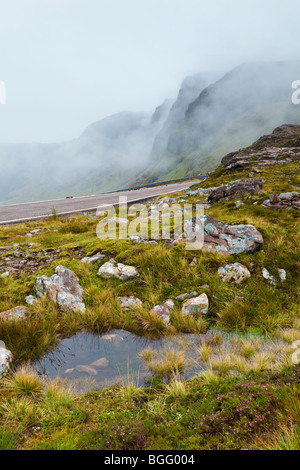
(6, 274)
(268, 277)
(30, 299)
(120, 271)
(282, 274)
(5, 360)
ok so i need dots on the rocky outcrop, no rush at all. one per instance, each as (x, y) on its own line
(118, 270)
(63, 288)
(235, 189)
(279, 148)
(16, 313)
(221, 238)
(283, 201)
(235, 273)
(196, 306)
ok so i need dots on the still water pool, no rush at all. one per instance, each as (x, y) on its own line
(99, 361)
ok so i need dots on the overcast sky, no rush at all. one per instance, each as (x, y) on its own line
(68, 63)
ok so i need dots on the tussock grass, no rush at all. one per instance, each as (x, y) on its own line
(24, 382)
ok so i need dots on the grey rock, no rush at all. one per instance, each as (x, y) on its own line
(235, 273)
(196, 306)
(63, 288)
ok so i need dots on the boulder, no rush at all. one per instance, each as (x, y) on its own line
(63, 288)
(235, 189)
(235, 273)
(196, 306)
(16, 313)
(221, 238)
(121, 271)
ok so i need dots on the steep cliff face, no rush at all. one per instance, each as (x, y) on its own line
(231, 113)
(190, 89)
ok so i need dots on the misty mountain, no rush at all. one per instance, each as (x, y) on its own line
(186, 137)
(246, 103)
(105, 157)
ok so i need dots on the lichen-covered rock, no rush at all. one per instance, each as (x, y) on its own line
(117, 270)
(16, 313)
(5, 359)
(235, 273)
(196, 306)
(221, 238)
(129, 302)
(63, 288)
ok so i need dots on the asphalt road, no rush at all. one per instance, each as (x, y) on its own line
(38, 210)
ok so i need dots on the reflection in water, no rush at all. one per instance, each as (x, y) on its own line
(110, 358)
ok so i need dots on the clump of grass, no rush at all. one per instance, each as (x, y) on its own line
(172, 362)
(287, 438)
(209, 377)
(21, 409)
(176, 388)
(247, 349)
(148, 354)
(25, 382)
(57, 394)
(205, 351)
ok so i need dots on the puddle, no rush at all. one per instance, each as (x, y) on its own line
(97, 361)
(89, 361)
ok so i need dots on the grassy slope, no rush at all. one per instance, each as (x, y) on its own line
(209, 412)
